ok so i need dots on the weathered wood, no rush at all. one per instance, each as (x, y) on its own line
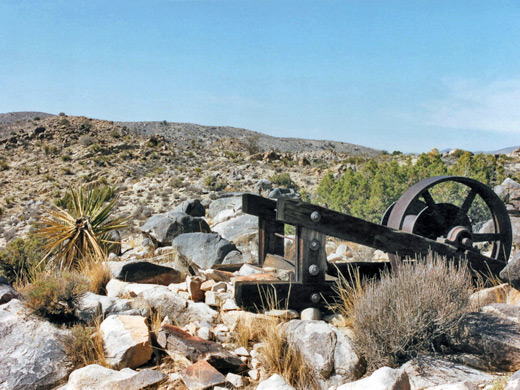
(260, 296)
(268, 226)
(311, 263)
(389, 240)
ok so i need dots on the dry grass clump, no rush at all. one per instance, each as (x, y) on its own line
(84, 346)
(98, 274)
(54, 295)
(409, 310)
(278, 356)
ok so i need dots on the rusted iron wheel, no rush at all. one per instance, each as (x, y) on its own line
(417, 212)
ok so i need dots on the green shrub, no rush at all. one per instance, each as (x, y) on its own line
(20, 261)
(366, 190)
(54, 295)
(409, 311)
(86, 140)
(282, 179)
(66, 157)
(64, 122)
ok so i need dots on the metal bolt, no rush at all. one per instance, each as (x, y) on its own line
(315, 216)
(315, 297)
(314, 245)
(314, 270)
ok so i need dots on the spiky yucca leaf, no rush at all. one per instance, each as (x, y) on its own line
(80, 232)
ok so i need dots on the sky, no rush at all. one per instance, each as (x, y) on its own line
(393, 75)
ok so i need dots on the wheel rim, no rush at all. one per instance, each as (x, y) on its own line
(436, 219)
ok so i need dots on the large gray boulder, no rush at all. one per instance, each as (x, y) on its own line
(32, 355)
(489, 335)
(326, 349)
(226, 203)
(426, 371)
(95, 377)
(163, 228)
(241, 230)
(202, 249)
(191, 207)
(164, 301)
(141, 271)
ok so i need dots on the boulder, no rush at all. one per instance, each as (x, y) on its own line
(511, 272)
(275, 382)
(202, 249)
(7, 292)
(325, 349)
(95, 377)
(162, 228)
(141, 271)
(32, 352)
(241, 230)
(513, 383)
(489, 335)
(503, 310)
(191, 207)
(385, 378)
(164, 301)
(278, 193)
(201, 376)
(126, 341)
(196, 312)
(456, 386)
(92, 306)
(427, 371)
(179, 342)
(226, 203)
(496, 294)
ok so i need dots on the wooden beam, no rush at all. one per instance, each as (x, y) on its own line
(377, 236)
(298, 296)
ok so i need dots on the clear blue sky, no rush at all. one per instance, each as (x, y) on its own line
(394, 75)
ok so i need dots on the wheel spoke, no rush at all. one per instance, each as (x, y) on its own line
(467, 204)
(433, 206)
(482, 237)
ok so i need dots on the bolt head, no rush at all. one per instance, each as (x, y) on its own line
(314, 245)
(314, 270)
(315, 297)
(315, 216)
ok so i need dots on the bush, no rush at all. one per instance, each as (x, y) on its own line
(54, 295)
(409, 311)
(282, 179)
(20, 261)
(86, 140)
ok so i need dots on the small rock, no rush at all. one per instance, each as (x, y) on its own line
(236, 381)
(201, 375)
(195, 292)
(283, 314)
(511, 273)
(497, 294)
(95, 377)
(191, 207)
(275, 382)
(230, 304)
(311, 314)
(513, 383)
(385, 378)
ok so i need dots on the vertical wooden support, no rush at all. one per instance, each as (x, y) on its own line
(268, 241)
(311, 264)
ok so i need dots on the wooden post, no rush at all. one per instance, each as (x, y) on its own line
(311, 264)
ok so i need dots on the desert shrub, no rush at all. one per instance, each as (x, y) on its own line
(54, 295)
(82, 231)
(86, 140)
(84, 346)
(20, 261)
(4, 166)
(409, 311)
(66, 157)
(282, 179)
(64, 122)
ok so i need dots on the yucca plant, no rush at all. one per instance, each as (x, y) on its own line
(80, 232)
